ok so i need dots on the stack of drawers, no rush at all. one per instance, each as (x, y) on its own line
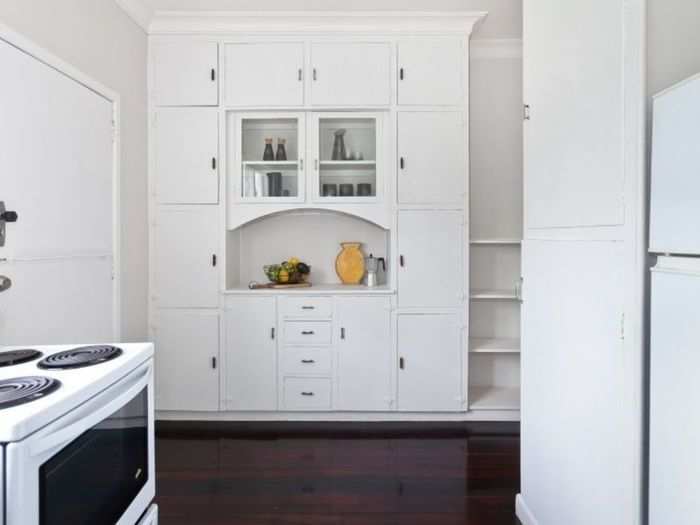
(306, 352)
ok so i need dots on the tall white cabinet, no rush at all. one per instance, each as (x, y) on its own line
(221, 209)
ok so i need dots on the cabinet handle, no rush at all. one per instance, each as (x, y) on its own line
(342, 333)
(213, 163)
(401, 162)
(213, 75)
(314, 74)
(308, 307)
(402, 363)
(401, 73)
(213, 362)
(299, 75)
(401, 261)
(307, 332)
(213, 259)
(307, 393)
(307, 361)
(272, 332)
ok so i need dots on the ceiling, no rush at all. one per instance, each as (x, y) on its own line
(504, 21)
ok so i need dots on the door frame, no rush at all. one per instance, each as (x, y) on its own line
(47, 58)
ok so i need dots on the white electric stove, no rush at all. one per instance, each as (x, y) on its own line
(77, 435)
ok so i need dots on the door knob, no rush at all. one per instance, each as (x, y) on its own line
(5, 217)
(8, 216)
(5, 283)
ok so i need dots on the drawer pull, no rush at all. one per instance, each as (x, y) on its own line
(307, 361)
(308, 307)
(307, 332)
(307, 394)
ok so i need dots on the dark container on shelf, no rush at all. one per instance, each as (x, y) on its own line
(364, 189)
(330, 190)
(274, 183)
(347, 190)
(281, 150)
(268, 154)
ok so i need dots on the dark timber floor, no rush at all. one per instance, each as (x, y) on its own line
(218, 475)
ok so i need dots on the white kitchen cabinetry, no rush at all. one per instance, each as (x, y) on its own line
(431, 71)
(185, 257)
(431, 259)
(365, 355)
(351, 74)
(431, 367)
(264, 74)
(432, 148)
(187, 359)
(185, 73)
(250, 354)
(186, 155)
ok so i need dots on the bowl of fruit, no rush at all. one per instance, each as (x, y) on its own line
(292, 271)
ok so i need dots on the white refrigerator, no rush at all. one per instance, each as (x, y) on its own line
(674, 419)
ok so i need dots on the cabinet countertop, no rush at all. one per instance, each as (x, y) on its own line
(316, 289)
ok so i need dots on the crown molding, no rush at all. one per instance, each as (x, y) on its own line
(138, 12)
(496, 48)
(218, 22)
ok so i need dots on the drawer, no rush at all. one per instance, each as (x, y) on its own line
(299, 361)
(304, 393)
(307, 332)
(306, 306)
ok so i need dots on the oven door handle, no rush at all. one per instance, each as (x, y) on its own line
(88, 415)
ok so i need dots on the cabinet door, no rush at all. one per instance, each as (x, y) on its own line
(432, 166)
(364, 353)
(350, 74)
(431, 260)
(186, 156)
(251, 354)
(264, 74)
(187, 365)
(431, 71)
(186, 243)
(431, 365)
(185, 73)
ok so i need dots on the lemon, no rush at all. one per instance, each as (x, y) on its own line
(283, 276)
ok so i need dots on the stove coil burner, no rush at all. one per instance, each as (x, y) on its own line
(20, 390)
(17, 357)
(80, 357)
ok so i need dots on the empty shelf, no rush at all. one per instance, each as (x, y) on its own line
(494, 398)
(494, 345)
(495, 242)
(486, 295)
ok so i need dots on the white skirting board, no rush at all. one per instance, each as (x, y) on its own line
(523, 512)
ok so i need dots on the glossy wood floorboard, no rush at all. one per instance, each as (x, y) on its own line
(210, 480)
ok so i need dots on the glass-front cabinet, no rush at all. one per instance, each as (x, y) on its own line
(346, 157)
(269, 157)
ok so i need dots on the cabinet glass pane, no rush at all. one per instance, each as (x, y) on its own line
(270, 158)
(347, 157)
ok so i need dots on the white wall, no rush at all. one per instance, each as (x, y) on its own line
(99, 39)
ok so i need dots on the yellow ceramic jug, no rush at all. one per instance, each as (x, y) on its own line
(350, 263)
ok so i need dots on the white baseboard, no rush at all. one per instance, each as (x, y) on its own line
(523, 512)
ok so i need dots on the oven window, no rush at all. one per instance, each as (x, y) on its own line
(94, 479)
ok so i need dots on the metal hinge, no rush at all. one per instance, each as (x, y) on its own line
(526, 112)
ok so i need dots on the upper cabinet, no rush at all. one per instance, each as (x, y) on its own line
(350, 74)
(432, 158)
(264, 74)
(431, 71)
(185, 73)
(186, 152)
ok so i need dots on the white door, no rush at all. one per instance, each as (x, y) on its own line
(56, 171)
(185, 73)
(185, 263)
(431, 364)
(432, 158)
(186, 156)
(187, 364)
(350, 74)
(264, 74)
(431, 71)
(431, 262)
(251, 354)
(365, 355)
(675, 359)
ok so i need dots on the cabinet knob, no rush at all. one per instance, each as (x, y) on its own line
(213, 75)
(308, 361)
(213, 362)
(299, 75)
(401, 74)
(308, 307)
(401, 261)
(342, 333)
(314, 74)
(402, 363)
(307, 332)
(307, 393)
(213, 163)
(401, 163)
(272, 332)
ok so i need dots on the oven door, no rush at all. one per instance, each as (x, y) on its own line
(94, 465)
